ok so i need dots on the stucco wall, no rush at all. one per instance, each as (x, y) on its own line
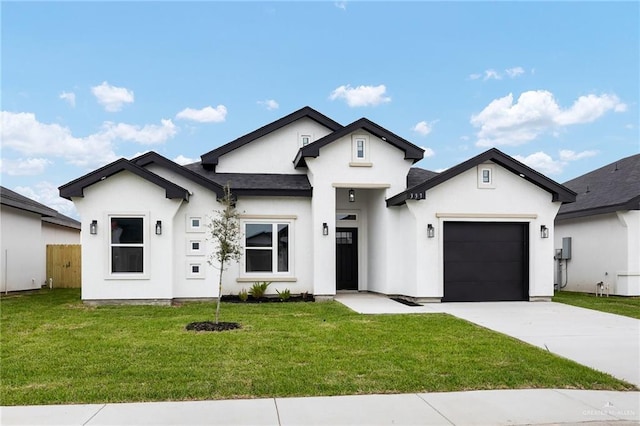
(121, 195)
(56, 234)
(512, 199)
(273, 153)
(23, 259)
(604, 248)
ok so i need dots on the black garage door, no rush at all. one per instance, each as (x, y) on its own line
(485, 261)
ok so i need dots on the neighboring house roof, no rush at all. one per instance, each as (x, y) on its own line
(258, 183)
(210, 159)
(610, 188)
(184, 171)
(411, 151)
(13, 199)
(558, 191)
(76, 187)
(62, 220)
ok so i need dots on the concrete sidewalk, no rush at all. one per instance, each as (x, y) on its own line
(500, 407)
(605, 342)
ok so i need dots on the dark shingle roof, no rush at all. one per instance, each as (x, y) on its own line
(13, 199)
(610, 188)
(258, 183)
(417, 176)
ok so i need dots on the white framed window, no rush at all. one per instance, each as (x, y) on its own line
(195, 224)
(485, 176)
(128, 245)
(195, 270)
(195, 247)
(305, 140)
(267, 247)
(360, 150)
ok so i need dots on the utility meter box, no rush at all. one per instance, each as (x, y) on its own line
(566, 248)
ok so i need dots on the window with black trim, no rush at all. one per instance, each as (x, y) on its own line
(267, 247)
(126, 246)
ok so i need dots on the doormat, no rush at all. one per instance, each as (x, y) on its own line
(405, 302)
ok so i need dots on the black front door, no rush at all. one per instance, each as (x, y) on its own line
(347, 258)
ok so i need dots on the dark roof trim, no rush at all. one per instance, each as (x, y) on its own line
(418, 192)
(76, 187)
(154, 158)
(411, 151)
(274, 192)
(633, 204)
(13, 199)
(210, 159)
(62, 220)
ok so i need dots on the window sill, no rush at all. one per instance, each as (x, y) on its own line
(358, 164)
(274, 278)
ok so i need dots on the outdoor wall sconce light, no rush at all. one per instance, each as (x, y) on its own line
(93, 228)
(159, 227)
(431, 232)
(544, 231)
(352, 195)
(325, 229)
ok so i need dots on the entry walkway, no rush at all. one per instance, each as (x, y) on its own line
(501, 407)
(605, 342)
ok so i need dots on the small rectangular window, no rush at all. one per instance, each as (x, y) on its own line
(305, 140)
(195, 269)
(195, 245)
(486, 176)
(360, 148)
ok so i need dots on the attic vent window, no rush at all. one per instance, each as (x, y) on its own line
(360, 151)
(485, 176)
(305, 140)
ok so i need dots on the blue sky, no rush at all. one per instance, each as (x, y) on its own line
(83, 83)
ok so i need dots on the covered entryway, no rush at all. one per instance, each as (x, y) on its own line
(346, 258)
(486, 261)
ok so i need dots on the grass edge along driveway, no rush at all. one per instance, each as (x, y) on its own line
(55, 350)
(628, 306)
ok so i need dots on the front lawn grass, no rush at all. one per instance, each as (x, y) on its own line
(55, 350)
(620, 305)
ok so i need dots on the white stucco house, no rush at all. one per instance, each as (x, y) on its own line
(603, 227)
(324, 208)
(27, 227)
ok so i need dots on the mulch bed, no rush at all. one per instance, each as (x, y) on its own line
(212, 326)
(236, 299)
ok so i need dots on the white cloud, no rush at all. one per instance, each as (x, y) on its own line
(270, 104)
(23, 133)
(147, 135)
(568, 155)
(23, 167)
(544, 163)
(341, 5)
(475, 76)
(205, 115)
(361, 95)
(112, 97)
(428, 152)
(541, 162)
(514, 72)
(182, 160)
(504, 123)
(70, 97)
(47, 193)
(423, 128)
(492, 75)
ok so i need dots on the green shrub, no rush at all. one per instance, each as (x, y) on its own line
(284, 295)
(243, 295)
(258, 289)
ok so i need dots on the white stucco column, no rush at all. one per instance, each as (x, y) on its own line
(323, 208)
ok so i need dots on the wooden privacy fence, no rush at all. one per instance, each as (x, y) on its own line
(64, 265)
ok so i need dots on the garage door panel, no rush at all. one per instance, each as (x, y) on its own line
(485, 261)
(485, 251)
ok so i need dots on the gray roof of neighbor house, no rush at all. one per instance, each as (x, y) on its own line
(418, 192)
(417, 176)
(49, 215)
(610, 188)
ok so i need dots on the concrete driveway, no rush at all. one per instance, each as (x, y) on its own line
(605, 342)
